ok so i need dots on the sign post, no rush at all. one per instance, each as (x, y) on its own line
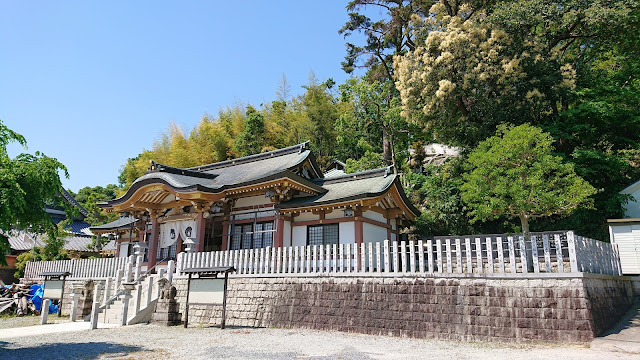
(207, 289)
(54, 287)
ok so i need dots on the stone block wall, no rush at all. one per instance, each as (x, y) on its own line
(471, 309)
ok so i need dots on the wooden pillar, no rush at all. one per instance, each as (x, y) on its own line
(279, 236)
(117, 248)
(201, 223)
(359, 226)
(389, 229)
(225, 236)
(153, 241)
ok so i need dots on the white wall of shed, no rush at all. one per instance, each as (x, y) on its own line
(627, 238)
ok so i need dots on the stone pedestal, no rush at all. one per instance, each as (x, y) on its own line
(167, 313)
(167, 308)
(84, 293)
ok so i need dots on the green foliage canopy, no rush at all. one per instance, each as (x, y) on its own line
(515, 174)
(27, 183)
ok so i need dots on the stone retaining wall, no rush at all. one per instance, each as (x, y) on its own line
(471, 309)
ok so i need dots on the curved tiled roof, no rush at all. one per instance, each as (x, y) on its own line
(347, 187)
(116, 224)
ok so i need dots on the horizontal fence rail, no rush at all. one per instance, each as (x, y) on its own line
(557, 252)
(79, 268)
(553, 252)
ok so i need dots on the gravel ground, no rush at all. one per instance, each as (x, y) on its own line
(154, 342)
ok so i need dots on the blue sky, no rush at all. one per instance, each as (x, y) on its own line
(93, 83)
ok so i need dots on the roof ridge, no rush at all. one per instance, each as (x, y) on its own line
(358, 175)
(156, 167)
(71, 200)
(251, 158)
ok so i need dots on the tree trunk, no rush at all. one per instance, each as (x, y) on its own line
(524, 221)
(386, 146)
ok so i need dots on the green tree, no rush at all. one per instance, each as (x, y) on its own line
(27, 183)
(89, 197)
(515, 174)
(251, 139)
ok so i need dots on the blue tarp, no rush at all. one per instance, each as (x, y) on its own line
(35, 295)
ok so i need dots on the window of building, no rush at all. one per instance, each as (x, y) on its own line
(168, 253)
(323, 234)
(245, 237)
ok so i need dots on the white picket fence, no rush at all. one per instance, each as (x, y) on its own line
(485, 254)
(79, 268)
(557, 252)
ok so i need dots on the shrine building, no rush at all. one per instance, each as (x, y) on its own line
(278, 198)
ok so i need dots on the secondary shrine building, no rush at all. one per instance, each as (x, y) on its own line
(277, 198)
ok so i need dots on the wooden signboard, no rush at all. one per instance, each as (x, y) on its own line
(53, 289)
(206, 291)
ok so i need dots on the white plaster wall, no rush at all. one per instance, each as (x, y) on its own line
(286, 239)
(347, 232)
(394, 226)
(393, 237)
(373, 233)
(306, 216)
(335, 214)
(374, 216)
(299, 236)
(252, 201)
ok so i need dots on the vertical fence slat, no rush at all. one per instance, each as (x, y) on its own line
(467, 251)
(479, 255)
(394, 245)
(386, 256)
(439, 254)
(363, 256)
(412, 256)
(500, 247)
(547, 252)
(534, 254)
(447, 243)
(421, 256)
(559, 253)
(370, 253)
(378, 257)
(489, 256)
(458, 255)
(512, 254)
(571, 244)
(322, 265)
(523, 255)
(348, 255)
(430, 255)
(403, 256)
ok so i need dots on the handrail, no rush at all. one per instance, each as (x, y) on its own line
(110, 300)
(149, 270)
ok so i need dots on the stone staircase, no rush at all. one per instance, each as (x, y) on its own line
(139, 294)
(111, 314)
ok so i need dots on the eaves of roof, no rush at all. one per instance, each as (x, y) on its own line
(198, 187)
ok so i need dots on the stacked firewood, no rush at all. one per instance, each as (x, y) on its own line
(16, 298)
